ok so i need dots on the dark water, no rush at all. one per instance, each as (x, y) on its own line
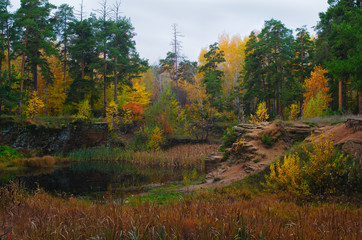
(95, 179)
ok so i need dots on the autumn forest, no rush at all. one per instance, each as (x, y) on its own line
(245, 143)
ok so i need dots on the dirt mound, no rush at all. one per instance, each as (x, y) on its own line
(257, 146)
(348, 138)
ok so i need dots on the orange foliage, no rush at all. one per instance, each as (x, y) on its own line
(135, 109)
(165, 124)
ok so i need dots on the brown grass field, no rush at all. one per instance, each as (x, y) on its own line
(228, 213)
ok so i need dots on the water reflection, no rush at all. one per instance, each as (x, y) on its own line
(95, 179)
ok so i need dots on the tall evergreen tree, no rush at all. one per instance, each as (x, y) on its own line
(339, 47)
(255, 84)
(303, 51)
(64, 17)
(4, 33)
(35, 24)
(267, 72)
(212, 75)
(83, 55)
(34, 39)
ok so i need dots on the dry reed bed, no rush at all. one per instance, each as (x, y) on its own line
(227, 215)
(186, 156)
(178, 156)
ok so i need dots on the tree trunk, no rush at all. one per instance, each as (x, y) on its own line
(65, 57)
(105, 83)
(115, 80)
(360, 102)
(34, 69)
(340, 103)
(23, 69)
(8, 42)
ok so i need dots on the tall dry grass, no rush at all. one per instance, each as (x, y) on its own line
(226, 214)
(187, 156)
(44, 161)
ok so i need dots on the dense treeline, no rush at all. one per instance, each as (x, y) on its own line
(74, 64)
(63, 58)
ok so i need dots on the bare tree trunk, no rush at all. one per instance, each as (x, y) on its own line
(8, 42)
(46, 99)
(65, 56)
(340, 102)
(360, 102)
(115, 80)
(34, 69)
(23, 69)
(105, 83)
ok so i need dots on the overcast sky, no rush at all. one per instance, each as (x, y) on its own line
(202, 21)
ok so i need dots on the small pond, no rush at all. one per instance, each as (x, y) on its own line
(95, 179)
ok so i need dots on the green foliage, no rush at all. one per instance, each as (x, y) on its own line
(8, 154)
(267, 56)
(267, 140)
(315, 107)
(339, 46)
(228, 139)
(213, 76)
(9, 94)
(167, 115)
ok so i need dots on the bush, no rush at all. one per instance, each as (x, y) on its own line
(228, 139)
(84, 112)
(35, 104)
(267, 140)
(324, 172)
(261, 114)
(8, 154)
(39, 161)
(112, 116)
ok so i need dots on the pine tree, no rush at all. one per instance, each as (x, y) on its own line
(212, 75)
(65, 17)
(339, 47)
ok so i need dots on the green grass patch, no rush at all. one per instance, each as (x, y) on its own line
(267, 140)
(160, 198)
(7, 156)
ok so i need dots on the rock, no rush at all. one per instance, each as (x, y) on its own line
(45, 140)
(212, 160)
(353, 147)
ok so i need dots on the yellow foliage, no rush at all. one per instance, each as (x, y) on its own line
(56, 99)
(234, 54)
(53, 93)
(291, 113)
(321, 173)
(288, 176)
(139, 95)
(320, 166)
(156, 139)
(112, 115)
(35, 104)
(84, 111)
(261, 114)
(316, 84)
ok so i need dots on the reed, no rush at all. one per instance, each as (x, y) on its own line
(223, 214)
(182, 156)
(44, 161)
